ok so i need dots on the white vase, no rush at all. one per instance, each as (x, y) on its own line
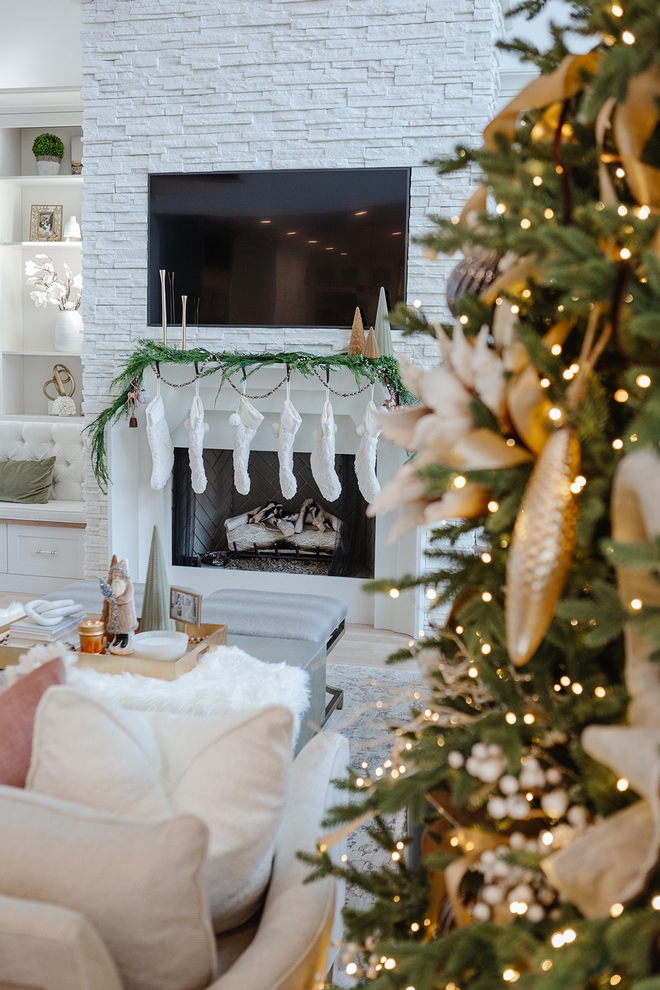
(48, 165)
(68, 331)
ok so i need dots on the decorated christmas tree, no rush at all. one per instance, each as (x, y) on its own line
(531, 775)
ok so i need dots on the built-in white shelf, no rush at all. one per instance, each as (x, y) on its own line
(42, 244)
(61, 354)
(43, 180)
(27, 352)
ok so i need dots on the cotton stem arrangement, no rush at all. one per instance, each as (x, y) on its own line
(64, 293)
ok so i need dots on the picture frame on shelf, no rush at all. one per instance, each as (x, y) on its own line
(45, 223)
(185, 606)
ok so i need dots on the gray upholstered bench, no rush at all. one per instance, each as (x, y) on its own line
(280, 615)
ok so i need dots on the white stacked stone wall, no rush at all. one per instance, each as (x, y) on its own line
(191, 85)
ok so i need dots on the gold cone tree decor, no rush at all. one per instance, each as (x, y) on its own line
(530, 763)
(370, 349)
(356, 343)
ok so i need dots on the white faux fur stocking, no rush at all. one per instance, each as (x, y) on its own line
(323, 455)
(365, 459)
(160, 442)
(197, 428)
(246, 419)
(285, 431)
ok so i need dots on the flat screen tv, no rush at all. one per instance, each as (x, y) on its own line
(280, 248)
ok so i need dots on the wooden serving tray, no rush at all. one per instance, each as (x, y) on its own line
(211, 634)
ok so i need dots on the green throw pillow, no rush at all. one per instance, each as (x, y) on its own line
(26, 481)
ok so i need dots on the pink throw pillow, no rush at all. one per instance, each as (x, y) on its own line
(18, 705)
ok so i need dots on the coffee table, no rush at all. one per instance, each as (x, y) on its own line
(297, 653)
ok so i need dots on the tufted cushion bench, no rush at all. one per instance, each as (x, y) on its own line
(34, 440)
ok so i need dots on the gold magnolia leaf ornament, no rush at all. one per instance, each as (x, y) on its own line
(542, 546)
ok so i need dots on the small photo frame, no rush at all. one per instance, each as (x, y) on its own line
(185, 606)
(45, 223)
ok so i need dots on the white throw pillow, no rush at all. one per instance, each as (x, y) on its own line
(232, 771)
(139, 883)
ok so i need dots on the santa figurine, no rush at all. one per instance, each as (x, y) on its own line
(120, 608)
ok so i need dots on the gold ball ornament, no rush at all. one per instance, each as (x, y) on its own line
(542, 546)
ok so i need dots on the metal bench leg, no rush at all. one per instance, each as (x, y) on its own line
(336, 702)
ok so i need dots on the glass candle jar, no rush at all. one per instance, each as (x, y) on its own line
(91, 632)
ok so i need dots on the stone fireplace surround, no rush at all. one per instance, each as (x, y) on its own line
(193, 85)
(134, 507)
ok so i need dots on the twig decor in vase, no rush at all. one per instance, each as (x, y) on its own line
(65, 294)
(48, 149)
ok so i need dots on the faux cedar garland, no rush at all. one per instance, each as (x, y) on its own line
(385, 369)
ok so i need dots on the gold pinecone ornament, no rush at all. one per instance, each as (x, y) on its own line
(543, 543)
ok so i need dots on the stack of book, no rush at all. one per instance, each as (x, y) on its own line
(26, 633)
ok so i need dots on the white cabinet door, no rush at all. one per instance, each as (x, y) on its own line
(3, 548)
(48, 551)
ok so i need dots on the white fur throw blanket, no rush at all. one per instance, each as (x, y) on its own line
(225, 680)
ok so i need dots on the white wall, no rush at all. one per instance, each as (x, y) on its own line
(191, 85)
(40, 44)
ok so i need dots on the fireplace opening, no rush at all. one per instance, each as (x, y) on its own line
(262, 531)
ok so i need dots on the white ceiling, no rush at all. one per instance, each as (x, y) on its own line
(40, 45)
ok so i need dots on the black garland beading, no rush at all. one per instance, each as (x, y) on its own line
(385, 369)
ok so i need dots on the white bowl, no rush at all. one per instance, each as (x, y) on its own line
(160, 644)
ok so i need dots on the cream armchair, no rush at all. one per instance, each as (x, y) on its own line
(287, 947)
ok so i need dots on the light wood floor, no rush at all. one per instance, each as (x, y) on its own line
(364, 646)
(361, 646)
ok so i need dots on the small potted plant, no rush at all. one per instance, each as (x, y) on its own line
(48, 149)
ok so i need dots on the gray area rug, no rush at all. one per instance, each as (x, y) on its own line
(375, 698)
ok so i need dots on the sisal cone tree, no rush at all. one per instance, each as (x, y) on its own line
(156, 601)
(382, 325)
(532, 766)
